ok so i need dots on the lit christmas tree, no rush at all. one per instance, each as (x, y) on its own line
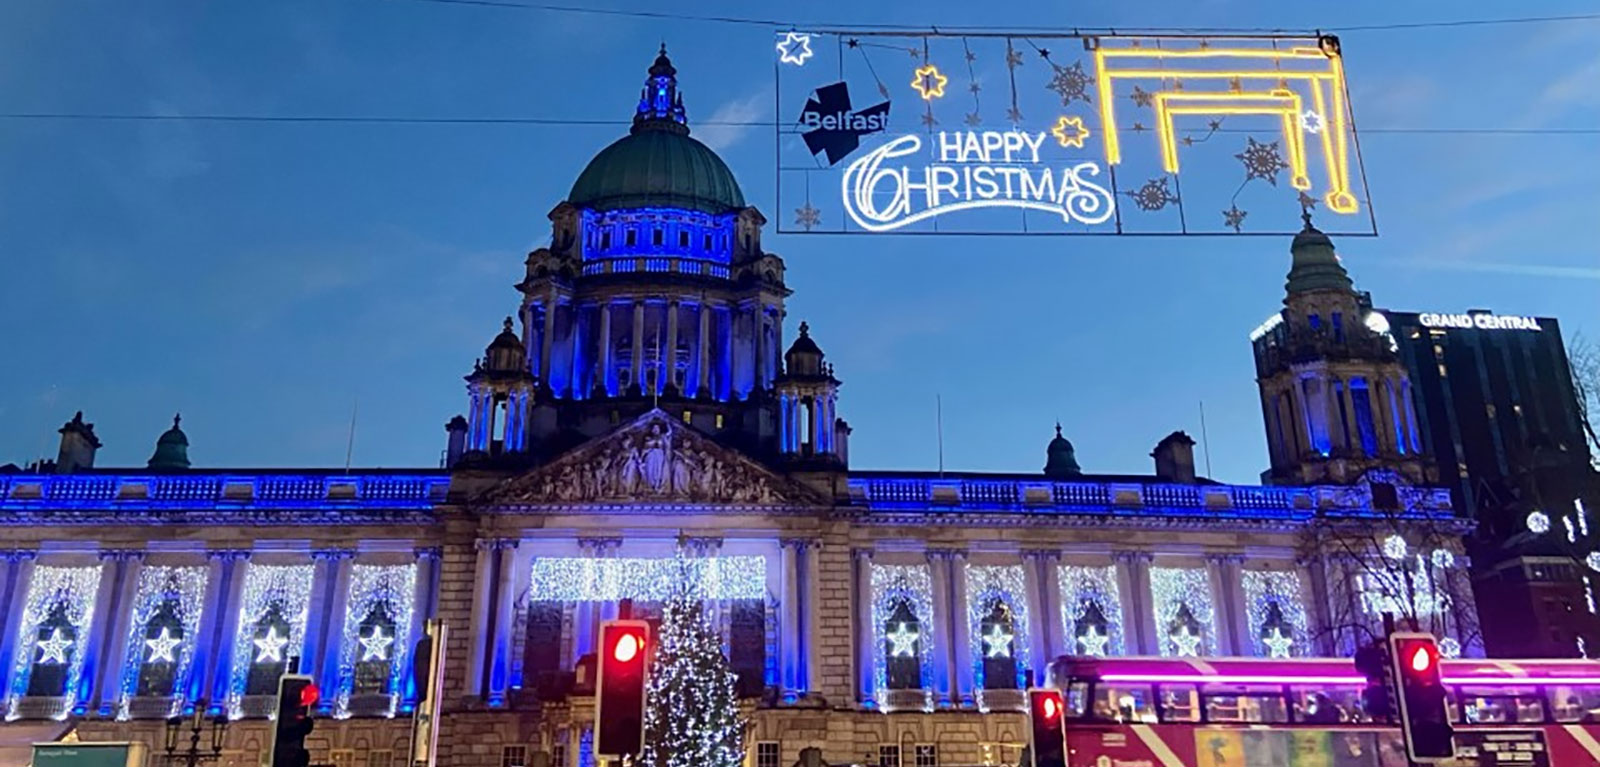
(691, 714)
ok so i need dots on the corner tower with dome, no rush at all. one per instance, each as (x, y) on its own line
(655, 292)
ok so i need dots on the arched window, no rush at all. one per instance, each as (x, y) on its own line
(375, 653)
(902, 648)
(54, 644)
(270, 645)
(1091, 629)
(998, 635)
(1183, 632)
(161, 648)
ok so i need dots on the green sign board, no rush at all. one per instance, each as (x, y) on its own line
(88, 755)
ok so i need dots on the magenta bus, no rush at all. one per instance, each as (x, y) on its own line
(1239, 712)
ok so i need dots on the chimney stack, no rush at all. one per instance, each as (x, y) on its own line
(457, 446)
(1174, 456)
(78, 444)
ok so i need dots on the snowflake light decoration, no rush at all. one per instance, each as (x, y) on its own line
(891, 585)
(1261, 160)
(185, 589)
(1070, 83)
(286, 587)
(807, 216)
(928, 82)
(1449, 647)
(1311, 121)
(1174, 588)
(794, 48)
(1153, 195)
(1233, 218)
(987, 584)
(1266, 591)
(1141, 97)
(74, 590)
(1084, 585)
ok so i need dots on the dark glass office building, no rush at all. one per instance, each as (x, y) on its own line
(1498, 414)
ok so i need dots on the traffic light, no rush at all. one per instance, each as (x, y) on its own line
(1373, 663)
(1049, 736)
(619, 689)
(1424, 716)
(297, 695)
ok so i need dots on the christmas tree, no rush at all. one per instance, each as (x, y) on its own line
(691, 714)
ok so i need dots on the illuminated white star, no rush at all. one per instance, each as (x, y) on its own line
(905, 642)
(1450, 648)
(376, 645)
(161, 647)
(54, 650)
(999, 642)
(1187, 643)
(271, 646)
(1311, 121)
(1277, 644)
(1094, 642)
(794, 48)
(1538, 522)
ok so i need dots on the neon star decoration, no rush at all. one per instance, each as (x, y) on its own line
(1311, 121)
(1277, 644)
(54, 649)
(794, 48)
(1093, 642)
(904, 642)
(269, 648)
(999, 642)
(1070, 132)
(161, 647)
(375, 646)
(1185, 642)
(928, 82)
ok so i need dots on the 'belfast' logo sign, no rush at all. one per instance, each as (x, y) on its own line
(829, 126)
(889, 188)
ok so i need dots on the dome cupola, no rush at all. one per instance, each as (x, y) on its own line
(1060, 460)
(172, 449)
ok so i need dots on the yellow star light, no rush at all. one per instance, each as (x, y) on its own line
(1070, 131)
(928, 82)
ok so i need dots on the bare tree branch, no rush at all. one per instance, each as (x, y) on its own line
(1583, 357)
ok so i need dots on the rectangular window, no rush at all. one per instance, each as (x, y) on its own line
(1338, 326)
(514, 756)
(631, 238)
(707, 248)
(888, 756)
(657, 235)
(558, 754)
(683, 240)
(927, 756)
(1316, 321)
(605, 240)
(342, 757)
(380, 758)
(767, 754)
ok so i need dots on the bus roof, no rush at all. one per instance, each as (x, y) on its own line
(1317, 671)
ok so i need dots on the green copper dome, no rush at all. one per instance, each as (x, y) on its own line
(657, 164)
(172, 449)
(1315, 265)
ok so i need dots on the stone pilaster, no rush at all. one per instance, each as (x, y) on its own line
(1138, 607)
(789, 641)
(18, 571)
(832, 626)
(1033, 580)
(498, 673)
(866, 648)
(325, 645)
(230, 578)
(1233, 621)
(945, 612)
(113, 630)
(961, 629)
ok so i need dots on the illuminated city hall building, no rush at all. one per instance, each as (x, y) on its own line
(648, 401)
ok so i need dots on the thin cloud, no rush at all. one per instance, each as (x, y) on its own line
(717, 131)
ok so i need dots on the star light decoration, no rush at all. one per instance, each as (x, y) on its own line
(1013, 57)
(807, 216)
(1082, 585)
(891, 585)
(1184, 642)
(181, 590)
(161, 647)
(1311, 121)
(1070, 131)
(375, 646)
(1265, 590)
(70, 588)
(1070, 83)
(1173, 588)
(1261, 160)
(1093, 642)
(928, 82)
(1141, 97)
(286, 587)
(1277, 644)
(794, 48)
(53, 650)
(904, 641)
(998, 641)
(269, 648)
(389, 590)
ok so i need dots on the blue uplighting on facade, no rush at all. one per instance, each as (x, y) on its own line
(48, 493)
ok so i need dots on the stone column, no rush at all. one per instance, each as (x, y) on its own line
(499, 677)
(940, 624)
(1352, 424)
(483, 584)
(1382, 416)
(1232, 621)
(1411, 419)
(102, 614)
(330, 643)
(636, 363)
(118, 616)
(547, 338)
(1038, 650)
(1139, 634)
(219, 673)
(789, 619)
(19, 572)
(424, 605)
(324, 564)
(1300, 419)
(703, 350)
(809, 560)
(961, 629)
(1319, 615)
(1330, 409)
(866, 646)
(604, 379)
(1048, 611)
(669, 356)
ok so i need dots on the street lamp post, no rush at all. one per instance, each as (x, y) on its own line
(194, 756)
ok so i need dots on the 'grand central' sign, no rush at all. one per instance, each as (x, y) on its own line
(1479, 321)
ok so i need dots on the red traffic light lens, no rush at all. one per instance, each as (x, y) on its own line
(309, 695)
(1050, 710)
(1421, 659)
(628, 647)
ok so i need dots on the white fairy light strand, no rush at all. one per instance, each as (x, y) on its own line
(1264, 588)
(184, 586)
(289, 587)
(73, 588)
(890, 585)
(1081, 584)
(392, 588)
(588, 579)
(985, 585)
(1174, 587)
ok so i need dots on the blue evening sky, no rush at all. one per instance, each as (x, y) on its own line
(262, 278)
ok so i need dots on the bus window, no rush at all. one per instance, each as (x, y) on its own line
(1574, 704)
(1180, 703)
(1497, 705)
(1245, 704)
(1317, 705)
(1077, 699)
(1124, 703)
